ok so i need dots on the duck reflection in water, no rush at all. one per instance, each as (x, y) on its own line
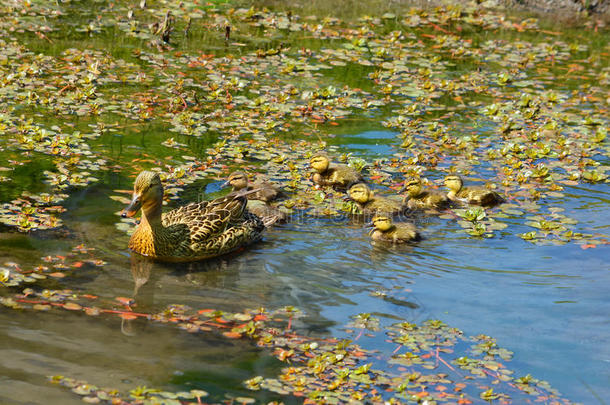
(150, 276)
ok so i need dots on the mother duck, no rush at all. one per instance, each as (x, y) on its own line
(192, 232)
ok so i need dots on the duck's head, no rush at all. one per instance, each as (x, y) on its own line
(453, 182)
(360, 193)
(147, 194)
(237, 180)
(382, 222)
(413, 187)
(319, 162)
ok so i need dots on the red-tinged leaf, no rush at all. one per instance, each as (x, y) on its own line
(260, 318)
(57, 274)
(205, 311)
(72, 306)
(89, 296)
(92, 311)
(124, 300)
(359, 354)
(459, 387)
(422, 394)
(220, 320)
(426, 356)
(440, 388)
(61, 257)
(588, 246)
(232, 335)
(127, 316)
(464, 401)
(77, 264)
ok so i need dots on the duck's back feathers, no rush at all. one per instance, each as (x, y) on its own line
(267, 191)
(382, 204)
(427, 200)
(337, 175)
(400, 233)
(480, 196)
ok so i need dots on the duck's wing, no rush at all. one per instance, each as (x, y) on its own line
(233, 237)
(184, 214)
(208, 218)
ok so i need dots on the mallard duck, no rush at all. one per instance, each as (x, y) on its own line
(386, 231)
(192, 232)
(470, 195)
(266, 191)
(418, 198)
(335, 175)
(371, 204)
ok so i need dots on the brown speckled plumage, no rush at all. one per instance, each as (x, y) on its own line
(192, 232)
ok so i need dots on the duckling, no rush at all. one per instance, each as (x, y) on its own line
(386, 231)
(269, 214)
(335, 175)
(258, 199)
(192, 232)
(371, 204)
(418, 198)
(266, 191)
(471, 195)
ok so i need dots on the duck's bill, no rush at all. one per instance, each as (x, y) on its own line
(132, 209)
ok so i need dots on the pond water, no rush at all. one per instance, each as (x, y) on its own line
(547, 302)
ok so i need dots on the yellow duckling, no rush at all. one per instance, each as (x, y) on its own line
(335, 175)
(471, 195)
(418, 198)
(192, 232)
(371, 204)
(266, 191)
(386, 231)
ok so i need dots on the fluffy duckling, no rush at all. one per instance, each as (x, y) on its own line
(418, 198)
(266, 191)
(260, 193)
(386, 231)
(471, 195)
(371, 204)
(267, 213)
(335, 175)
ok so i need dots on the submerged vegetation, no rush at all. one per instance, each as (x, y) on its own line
(95, 91)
